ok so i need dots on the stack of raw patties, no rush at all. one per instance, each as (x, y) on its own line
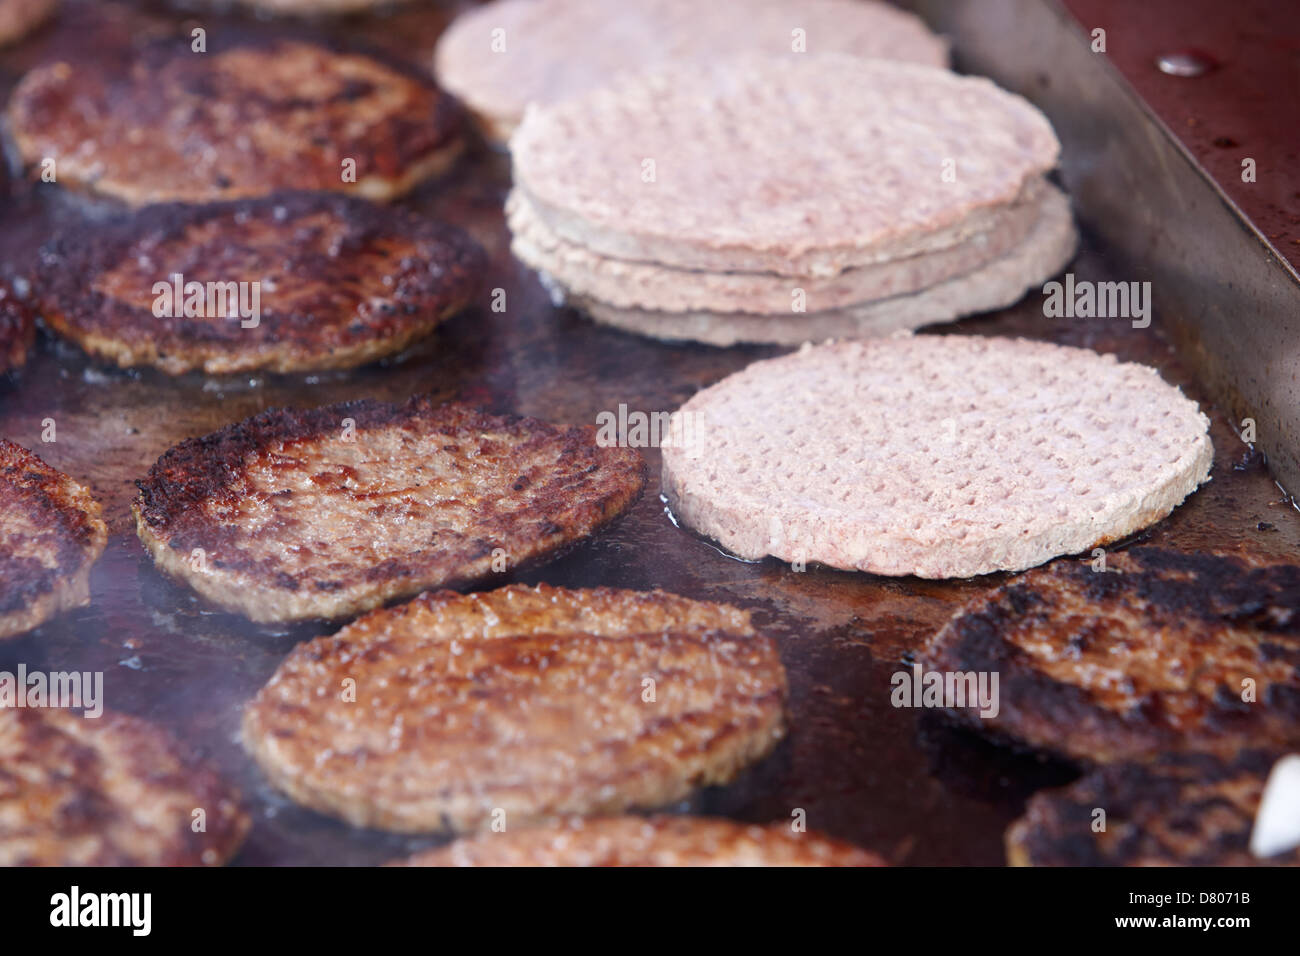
(787, 198)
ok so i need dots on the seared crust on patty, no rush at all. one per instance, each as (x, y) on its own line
(1180, 809)
(50, 535)
(164, 123)
(107, 791)
(328, 512)
(339, 282)
(532, 702)
(1162, 651)
(17, 330)
(653, 841)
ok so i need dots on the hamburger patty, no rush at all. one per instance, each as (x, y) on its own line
(538, 61)
(518, 705)
(17, 330)
(843, 163)
(1160, 652)
(107, 791)
(328, 512)
(653, 841)
(165, 123)
(946, 456)
(338, 282)
(1047, 248)
(1180, 809)
(50, 535)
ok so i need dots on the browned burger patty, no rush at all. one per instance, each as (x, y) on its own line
(518, 705)
(653, 841)
(1181, 809)
(1162, 651)
(328, 512)
(50, 535)
(165, 123)
(17, 330)
(338, 282)
(107, 791)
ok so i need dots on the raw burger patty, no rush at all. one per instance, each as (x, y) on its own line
(530, 701)
(801, 166)
(20, 17)
(328, 512)
(643, 285)
(107, 791)
(1147, 657)
(164, 123)
(50, 535)
(1049, 246)
(340, 282)
(542, 63)
(17, 330)
(653, 841)
(1180, 809)
(937, 456)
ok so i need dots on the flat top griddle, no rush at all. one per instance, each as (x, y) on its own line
(900, 782)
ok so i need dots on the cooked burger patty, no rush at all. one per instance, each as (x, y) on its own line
(518, 705)
(1162, 651)
(20, 17)
(17, 330)
(166, 123)
(291, 282)
(332, 511)
(1180, 809)
(107, 791)
(653, 841)
(50, 535)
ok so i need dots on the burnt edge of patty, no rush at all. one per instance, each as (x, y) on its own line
(68, 265)
(111, 67)
(75, 533)
(1150, 810)
(196, 469)
(17, 329)
(1035, 709)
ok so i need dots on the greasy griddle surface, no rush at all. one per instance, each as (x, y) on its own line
(894, 781)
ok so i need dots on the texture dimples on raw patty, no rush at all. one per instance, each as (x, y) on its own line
(938, 456)
(541, 63)
(838, 171)
(295, 516)
(527, 700)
